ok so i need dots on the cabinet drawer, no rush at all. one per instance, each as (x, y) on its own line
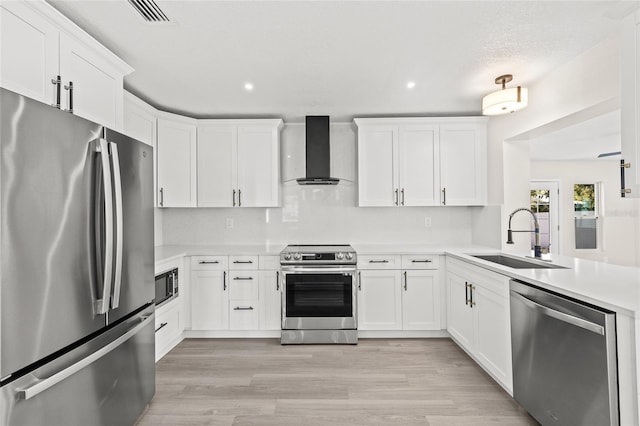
(380, 261)
(167, 329)
(243, 314)
(243, 262)
(420, 261)
(209, 263)
(243, 285)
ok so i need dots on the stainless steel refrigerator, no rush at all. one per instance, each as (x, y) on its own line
(76, 269)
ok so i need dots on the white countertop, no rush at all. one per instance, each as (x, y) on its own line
(612, 287)
(168, 252)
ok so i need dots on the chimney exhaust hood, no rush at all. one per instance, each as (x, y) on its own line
(318, 154)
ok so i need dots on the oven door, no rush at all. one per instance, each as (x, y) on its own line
(319, 298)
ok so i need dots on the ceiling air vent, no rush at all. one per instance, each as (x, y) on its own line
(149, 10)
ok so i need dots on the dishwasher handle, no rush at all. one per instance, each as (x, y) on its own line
(570, 319)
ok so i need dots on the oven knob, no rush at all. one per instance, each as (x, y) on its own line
(349, 256)
(339, 256)
(287, 256)
(297, 256)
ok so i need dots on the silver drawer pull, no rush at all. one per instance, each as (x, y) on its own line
(164, 324)
(243, 261)
(207, 262)
(243, 278)
(379, 261)
(421, 261)
(248, 308)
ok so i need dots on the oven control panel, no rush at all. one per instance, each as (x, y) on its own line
(325, 255)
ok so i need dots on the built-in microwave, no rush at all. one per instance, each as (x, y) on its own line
(166, 286)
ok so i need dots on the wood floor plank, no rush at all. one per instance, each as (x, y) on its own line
(258, 382)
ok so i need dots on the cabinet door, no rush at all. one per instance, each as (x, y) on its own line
(139, 120)
(493, 332)
(459, 312)
(418, 166)
(258, 166)
(97, 86)
(379, 300)
(209, 300)
(463, 162)
(29, 46)
(420, 300)
(630, 103)
(176, 156)
(217, 166)
(377, 172)
(270, 300)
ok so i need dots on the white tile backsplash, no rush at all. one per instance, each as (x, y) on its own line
(319, 214)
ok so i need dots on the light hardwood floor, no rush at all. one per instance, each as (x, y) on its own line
(378, 382)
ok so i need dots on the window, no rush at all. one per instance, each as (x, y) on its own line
(540, 200)
(585, 206)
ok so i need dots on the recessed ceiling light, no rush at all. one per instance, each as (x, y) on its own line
(248, 86)
(411, 85)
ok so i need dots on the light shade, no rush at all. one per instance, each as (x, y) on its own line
(505, 101)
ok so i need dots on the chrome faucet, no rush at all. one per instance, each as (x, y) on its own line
(537, 250)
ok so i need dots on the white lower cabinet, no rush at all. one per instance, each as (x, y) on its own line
(478, 317)
(398, 299)
(169, 326)
(235, 293)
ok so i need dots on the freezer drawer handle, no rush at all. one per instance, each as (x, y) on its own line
(570, 319)
(44, 384)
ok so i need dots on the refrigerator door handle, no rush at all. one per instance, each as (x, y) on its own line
(117, 190)
(102, 305)
(44, 384)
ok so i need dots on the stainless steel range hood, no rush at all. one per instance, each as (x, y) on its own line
(318, 154)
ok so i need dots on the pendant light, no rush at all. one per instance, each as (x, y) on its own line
(506, 100)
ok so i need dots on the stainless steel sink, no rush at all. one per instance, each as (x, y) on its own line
(516, 263)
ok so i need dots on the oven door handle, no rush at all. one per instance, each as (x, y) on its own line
(307, 270)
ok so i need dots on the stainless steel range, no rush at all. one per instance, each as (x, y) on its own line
(319, 301)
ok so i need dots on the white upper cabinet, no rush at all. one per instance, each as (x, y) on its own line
(238, 163)
(630, 105)
(176, 159)
(39, 44)
(421, 161)
(139, 120)
(463, 163)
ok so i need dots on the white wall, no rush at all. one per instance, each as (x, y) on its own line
(620, 218)
(579, 89)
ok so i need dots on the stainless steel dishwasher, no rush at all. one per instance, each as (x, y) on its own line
(564, 358)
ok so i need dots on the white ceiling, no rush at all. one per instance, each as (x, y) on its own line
(341, 58)
(583, 141)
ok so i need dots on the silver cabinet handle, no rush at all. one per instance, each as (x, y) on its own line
(224, 281)
(56, 82)
(161, 197)
(163, 325)
(472, 288)
(402, 193)
(570, 319)
(405, 280)
(102, 305)
(421, 261)
(379, 261)
(44, 384)
(117, 190)
(359, 281)
(466, 293)
(248, 308)
(444, 196)
(243, 261)
(243, 278)
(234, 197)
(69, 87)
(208, 262)
(239, 198)
(396, 192)
(277, 280)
